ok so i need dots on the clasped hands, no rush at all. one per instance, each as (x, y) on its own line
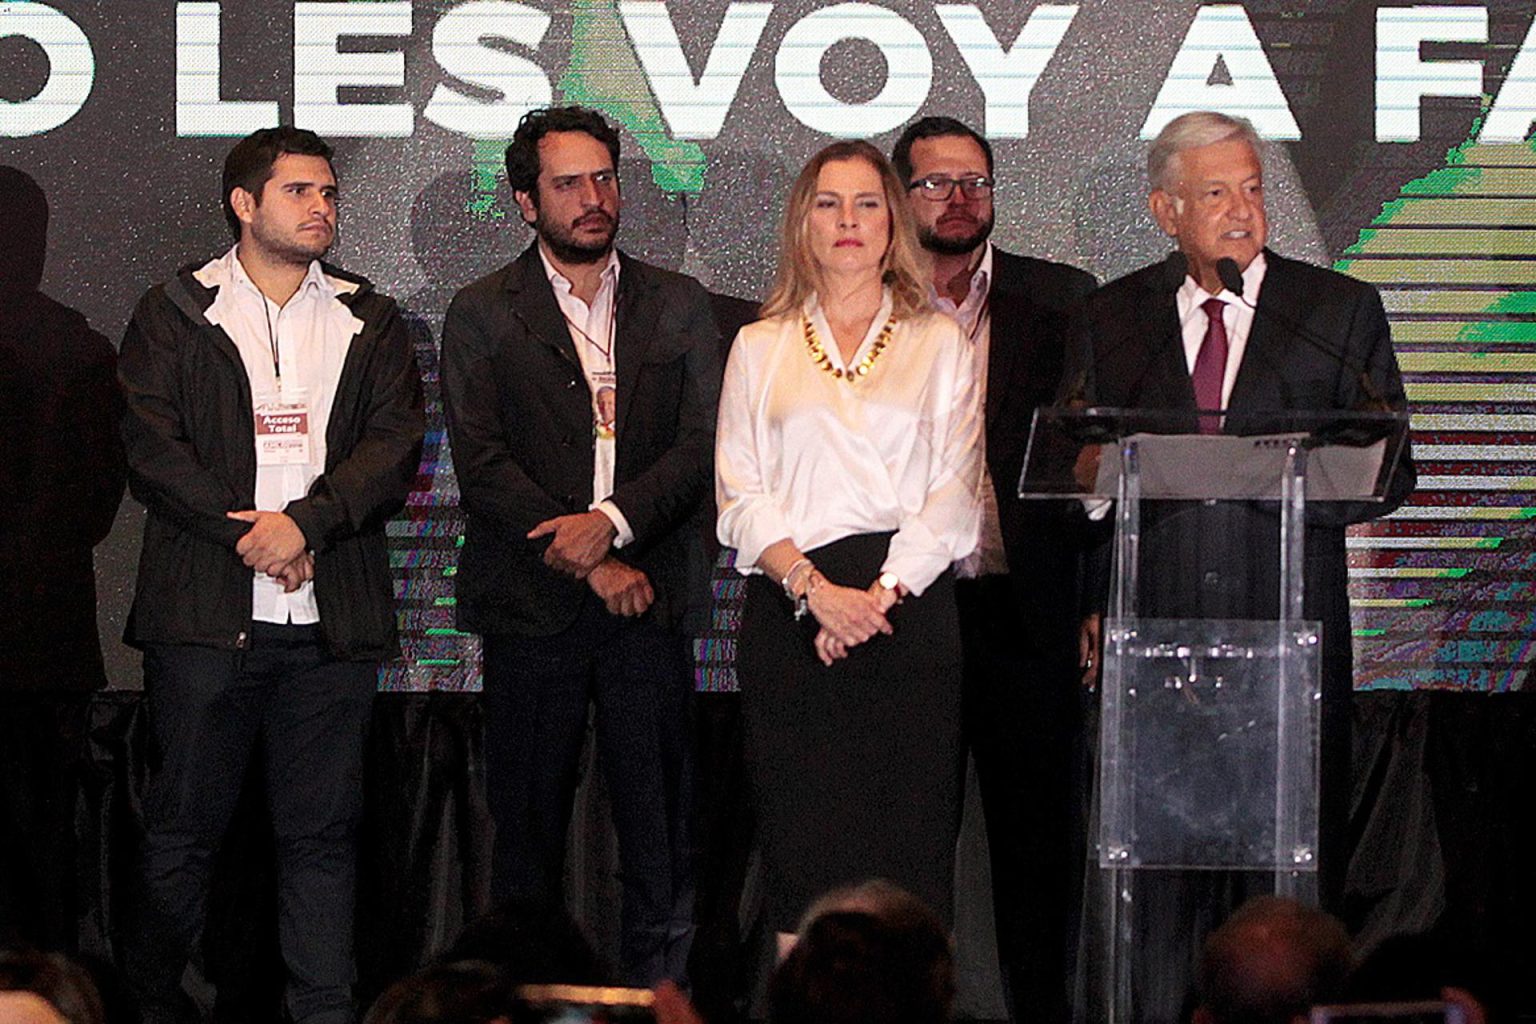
(579, 547)
(848, 616)
(275, 545)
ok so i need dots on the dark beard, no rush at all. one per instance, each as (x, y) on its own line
(933, 242)
(567, 250)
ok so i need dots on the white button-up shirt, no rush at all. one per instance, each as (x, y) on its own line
(294, 352)
(808, 457)
(593, 331)
(974, 315)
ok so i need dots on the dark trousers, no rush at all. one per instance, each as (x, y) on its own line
(42, 742)
(1022, 714)
(306, 716)
(537, 694)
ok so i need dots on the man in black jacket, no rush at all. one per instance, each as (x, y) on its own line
(580, 389)
(1017, 593)
(274, 423)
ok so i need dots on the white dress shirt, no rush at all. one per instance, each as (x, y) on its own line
(593, 331)
(1237, 315)
(805, 456)
(294, 353)
(974, 315)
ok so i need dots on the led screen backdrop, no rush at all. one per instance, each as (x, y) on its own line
(1399, 155)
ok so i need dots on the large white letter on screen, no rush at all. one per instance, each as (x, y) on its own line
(1007, 77)
(1403, 79)
(908, 70)
(1515, 107)
(320, 69)
(457, 47)
(199, 111)
(694, 109)
(71, 69)
(1222, 32)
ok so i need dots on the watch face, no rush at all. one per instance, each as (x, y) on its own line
(889, 580)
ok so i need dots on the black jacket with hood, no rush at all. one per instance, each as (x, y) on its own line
(190, 439)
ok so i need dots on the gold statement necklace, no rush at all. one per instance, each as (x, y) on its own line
(861, 368)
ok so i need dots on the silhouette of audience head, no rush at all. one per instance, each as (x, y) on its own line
(870, 954)
(46, 988)
(531, 943)
(24, 212)
(462, 992)
(1270, 963)
(476, 980)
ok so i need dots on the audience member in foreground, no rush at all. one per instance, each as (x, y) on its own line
(481, 977)
(871, 954)
(46, 988)
(1270, 963)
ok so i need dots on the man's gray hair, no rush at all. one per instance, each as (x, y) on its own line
(1191, 131)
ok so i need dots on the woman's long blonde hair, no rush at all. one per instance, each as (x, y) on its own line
(904, 267)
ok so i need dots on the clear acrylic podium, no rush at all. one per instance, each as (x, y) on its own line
(1208, 727)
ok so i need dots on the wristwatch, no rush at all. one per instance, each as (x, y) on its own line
(890, 581)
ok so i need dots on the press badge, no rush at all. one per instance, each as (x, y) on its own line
(282, 430)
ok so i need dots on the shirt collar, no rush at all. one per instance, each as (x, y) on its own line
(560, 282)
(981, 281)
(1192, 296)
(228, 270)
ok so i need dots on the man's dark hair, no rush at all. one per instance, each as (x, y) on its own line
(65, 985)
(523, 152)
(852, 967)
(249, 165)
(933, 128)
(1271, 962)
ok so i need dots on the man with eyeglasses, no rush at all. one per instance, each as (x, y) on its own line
(1017, 591)
(580, 388)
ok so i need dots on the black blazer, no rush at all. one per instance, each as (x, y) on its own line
(1030, 301)
(520, 424)
(1221, 561)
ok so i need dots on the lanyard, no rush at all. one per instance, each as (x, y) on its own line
(607, 351)
(266, 316)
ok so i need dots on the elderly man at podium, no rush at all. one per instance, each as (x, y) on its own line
(1226, 324)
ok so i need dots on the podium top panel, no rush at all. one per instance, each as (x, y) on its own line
(1083, 452)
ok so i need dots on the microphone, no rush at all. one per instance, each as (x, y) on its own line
(1232, 281)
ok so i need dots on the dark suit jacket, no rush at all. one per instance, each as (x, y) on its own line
(1031, 300)
(520, 423)
(1222, 561)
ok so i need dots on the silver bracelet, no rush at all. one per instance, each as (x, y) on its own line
(787, 583)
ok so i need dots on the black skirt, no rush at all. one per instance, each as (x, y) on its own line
(856, 768)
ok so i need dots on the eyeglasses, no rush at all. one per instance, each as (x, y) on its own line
(939, 189)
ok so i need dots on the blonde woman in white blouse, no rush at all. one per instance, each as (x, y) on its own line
(847, 472)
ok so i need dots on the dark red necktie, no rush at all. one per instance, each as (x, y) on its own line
(1211, 365)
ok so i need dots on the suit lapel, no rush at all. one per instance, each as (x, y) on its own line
(1008, 308)
(1168, 383)
(634, 330)
(1259, 378)
(533, 303)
